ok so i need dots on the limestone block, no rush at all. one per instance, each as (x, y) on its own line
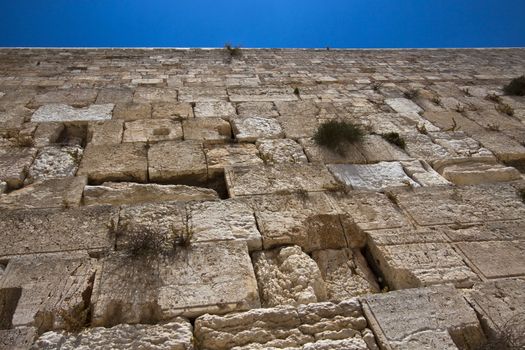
(374, 177)
(117, 193)
(382, 123)
(287, 276)
(218, 109)
(132, 111)
(114, 95)
(297, 126)
(202, 94)
(280, 178)
(308, 221)
(489, 231)
(13, 116)
(421, 146)
(17, 338)
(403, 105)
(496, 259)
(120, 162)
(54, 289)
(219, 156)
(180, 161)
(461, 145)
(421, 316)
(318, 154)
(54, 162)
(281, 151)
(418, 264)
(504, 147)
(470, 204)
(474, 173)
(258, 109)
(47, 133)
(48, 230)
(108, 132)
(422, 173)
(172, 110)
(153, 94)
(261, 95)
(376, 149)
(175, 335)
(313, 326)
(300, 108)
(152, 130)
(66, 113)
(206, 278)
(148, 82)
(211, 130)
(249, 129)
(345, 272)
(14, 165)
(76, 97)
(63, 192)
(225, 220)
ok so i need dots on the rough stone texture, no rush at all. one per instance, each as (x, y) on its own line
(117, 193)
(219, 109)
(207, 129)
(403, 105)
(281, 178)
(32, 231)
(120, 162)
(374, 177)
(47, 133)
(54, 162)
(221, 156)
(287, 276)
(77, 97)
(206, 278)
(175, 335)
(308, 220)
(172, 110)
(314, 326)
(152, 94)
(249, 129)
(346, 273)
(14, 165)
(474, 173)
(152, 130)
(65, 113)
(281, 151)
(132, 111)
(182, 161)
(421, 172)
(53, 289)
(108, 132)
(421, 317)
(259, 109)
(18, 338)
(227, 220)
(53, 193)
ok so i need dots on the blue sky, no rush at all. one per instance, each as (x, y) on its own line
(257, 23)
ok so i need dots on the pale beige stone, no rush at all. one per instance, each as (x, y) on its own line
(107, 132)
(13, 116)
(218, 109)
(120, 162)
(172, 110)
(132, 111)
(55, 162)
(403, 105)
(210, 130)
(181, 161)
(152, 94)
(249, 129)
(473, 173)
(422, 173)
(300, 108)
(261, 95)
(14, 165)
(281, 151)
(19, 338)
(219, 156)
(152, 130)
(66, 113)
(77, 97)
(47, 133)
(202, 94)
(258, 109)
(114, 95)
(489, 231)
(297, 126)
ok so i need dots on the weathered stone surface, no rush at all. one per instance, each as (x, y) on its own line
(249, 129)
(114, 95)
(296, 126)
(152, 130)
(345, 272)
(132, 111)
(172, 110)
(53, 193)
(281, 178)
(459, 144)
(206, 278)
(121, 162)
(47, 133)
(183, 162)
(175, 335)
(227, 220)
(287, 276)
(152, 94)
(32, 231)
(108, 132)
(3, 187)
(424, 316)
(259, 109)
(421, 146)
(309, 221)
(14, 165)
(497, 258)
(53, 289)
(281, 151)
(207, 129)
(76, 97)
(300, 108)
(261, 94)
(202, 94)
(54, 162)
(425, 261)
(374, 177)
(64, 113)
(219, 109)
(220, 156)
(13, 116)
(422, 173)
(314, 326)
(490, 231)
(117, 193)
(473, 173)
(403, 105)
(18, 338)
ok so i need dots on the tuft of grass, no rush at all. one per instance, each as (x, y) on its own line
(466, 91)
(436, 100)
(376, 86)
(460, 108)
(150, 242)
(516, 87)
(493, 97)
(296, 91)
(395, 139)
(411, 94)
(505, 109)
(335, 135)
(234, 52)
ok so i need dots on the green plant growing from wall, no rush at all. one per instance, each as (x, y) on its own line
(516, 87)
(395, 139)
(337, 134)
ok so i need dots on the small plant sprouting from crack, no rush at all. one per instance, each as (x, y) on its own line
(516, 87)
(233, 52)
(493, 98)
(466, 91)
(436, 100)
(422, 129)
(493, 127)
(411, 94)
(395, 139)
(296, 91)
(505, 109)
(336, 135)
(376, 86)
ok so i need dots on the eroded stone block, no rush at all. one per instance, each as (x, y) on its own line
(281, 151)
(207, 129)
(108, 132)
(77, 97)
(55, 162)
(132, 111)
(153, 94)
(422, 172)
(19, 338)
(403, 105)
(473, 173)
(219, 109)
(220, 156)
(14, 165)
(65, 113)
(249, 129)
(172, 110)
(152, 130)
(259, 109)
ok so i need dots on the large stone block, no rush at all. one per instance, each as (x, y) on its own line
(281, 151)
(220, 156)
(55, 162)
(473, 173)
(403, 105)
(66, 113)
(19, 338)
(172, 110)
(107, 132)
(261, 95)
(249, 129)
(120, 162)
(14, 165)
(204, 278)
(152, 130)
(132, 111)
(259, 109)
(153, 94)
(489, 231)
(207, 129)
(297, 126)
(77, 97)
(219, 109)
